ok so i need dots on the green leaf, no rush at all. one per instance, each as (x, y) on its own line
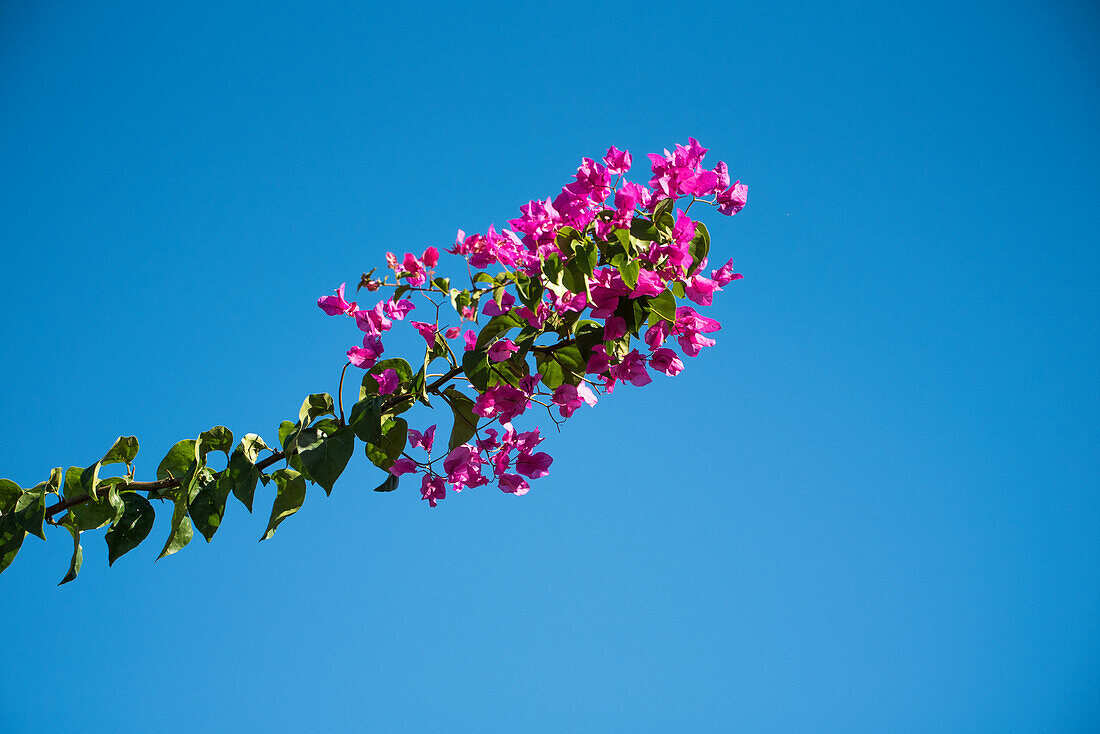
(398, 365)
(552, 267)
(178, 459)
(123, 451)
(678, 289)
(465, 425)
(30, 510)
(586, 256)
(567, 237)
(475, 363)
(286, 428)
(78, 555)
(629, 271)
(643, 229)
(218, 438)
(251, 446)
(526, 339)
(664, 206)
(241, 472)
(181, 529)
(72, 481)
(57, 480)
(314, 406)
(509, 372)
(530, 290)
(92, 515)
(664, 306)
(132, 528)
(699, 248)
(634, 312)
(389, 485)
(207, 505)
(366, 418)
(588, 335)
(9, 494)
(384, 451)
(419, 387)
(326, 455)
(439, 348)
(665, 222)
(563, 365)
(288, 433)
(11, 540)
(574, 277)
(291, 495)
(497, 326)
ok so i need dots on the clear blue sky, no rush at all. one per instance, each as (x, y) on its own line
(872, 507)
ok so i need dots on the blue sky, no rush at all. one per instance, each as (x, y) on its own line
(872, 507)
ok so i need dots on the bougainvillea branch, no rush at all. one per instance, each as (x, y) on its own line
(548, 323)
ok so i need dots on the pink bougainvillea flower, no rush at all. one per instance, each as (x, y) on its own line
(387, 381)
(452, 332)
(684, 229)
(486, 404)
(427, 331)
(642, 195)
(335, 305)
(568, 302)
(701, 290)
(463, 467)
(396, 310)
(502, 349)
(725, 274)
(733, 199)
(502, 461)
(649, 284)
(368, 354)
(618, 161)
(614, 328)
(490, 443)
(689, 330)
(569, 398)
(470, 339)
(433, 489)
(526, 441)
(404, 465)
(373, 321)
(417, 272)
(534, 466)
(593, 182)
(665, 360)
(422, 440)
(502, 401)
(656, 335)
(492, 308)
(514, 484)
(723, 174)
(599, 361)
(703, 183)
(431, 257)
(632, 369)
(537, 318)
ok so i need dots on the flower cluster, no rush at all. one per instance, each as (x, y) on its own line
(604, 262)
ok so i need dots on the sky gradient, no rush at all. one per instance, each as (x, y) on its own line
(873, 506)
